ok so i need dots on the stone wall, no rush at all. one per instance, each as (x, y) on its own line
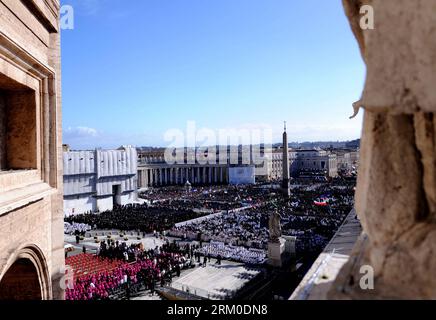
(31, 218)
(2, 131)
(396, 191)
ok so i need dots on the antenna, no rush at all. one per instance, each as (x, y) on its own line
(285, 125)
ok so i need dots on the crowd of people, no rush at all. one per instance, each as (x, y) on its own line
(136, 217)
(140, 270)
(214, 198)
(313, 225)
(237, 231)
(76, 228)
(220, 251)
(235, 228)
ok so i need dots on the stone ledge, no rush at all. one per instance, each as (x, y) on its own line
(21, 197)
(346, 286)
(320, 278)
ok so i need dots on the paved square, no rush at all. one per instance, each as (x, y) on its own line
(214, 281)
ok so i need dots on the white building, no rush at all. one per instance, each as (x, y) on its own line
(242, 175)
(97, 180)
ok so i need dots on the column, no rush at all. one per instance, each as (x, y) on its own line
(210, 175)
(139, 179)
(192, 175)
(201, 175)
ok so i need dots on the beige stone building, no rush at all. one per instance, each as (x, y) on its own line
(303, 162)
(31, 219)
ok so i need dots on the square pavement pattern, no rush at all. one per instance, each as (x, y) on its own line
(216, 282)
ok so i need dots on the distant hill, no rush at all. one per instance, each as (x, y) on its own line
(323, 144)
(353, 144)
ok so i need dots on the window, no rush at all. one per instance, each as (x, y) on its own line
(28, 130)
(18, 143)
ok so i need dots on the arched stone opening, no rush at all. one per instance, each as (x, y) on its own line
(21, 282)
(27, 278)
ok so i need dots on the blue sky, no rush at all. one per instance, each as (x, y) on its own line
(134, 69)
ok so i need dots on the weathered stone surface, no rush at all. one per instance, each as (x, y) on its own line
(399, 54)
(396, 192)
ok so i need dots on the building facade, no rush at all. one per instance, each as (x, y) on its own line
(163, 174)
(155, 171)
(97, 180)
(276, 165)
(310, 162)
(31, 219)
(348, 161)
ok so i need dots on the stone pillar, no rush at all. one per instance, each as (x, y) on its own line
(144, 178)
(210, 175)
(139, 179)
(200, 176)
(396, 187)
(275, 252)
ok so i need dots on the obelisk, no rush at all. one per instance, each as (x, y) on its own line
(286, 189)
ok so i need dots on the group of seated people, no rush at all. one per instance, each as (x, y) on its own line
(76, 228)
(146, 268)
(234, 253)
(312, 225)
(215, 198)
(237, 228)
(139, 217)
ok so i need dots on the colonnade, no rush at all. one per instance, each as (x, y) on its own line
(155, 176)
